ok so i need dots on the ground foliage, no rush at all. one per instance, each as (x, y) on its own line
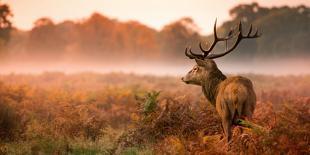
(89, 113)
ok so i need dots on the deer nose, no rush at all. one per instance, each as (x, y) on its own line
(182, 78)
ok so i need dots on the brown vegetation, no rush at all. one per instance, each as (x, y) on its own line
(93, 113)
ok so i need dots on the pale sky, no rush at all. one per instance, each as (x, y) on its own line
(154, 13)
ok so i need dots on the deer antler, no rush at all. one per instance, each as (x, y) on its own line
(206, 53)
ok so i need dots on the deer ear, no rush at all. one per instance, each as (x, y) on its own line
(200, 62)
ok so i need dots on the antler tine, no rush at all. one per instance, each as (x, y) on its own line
(240, 37)
(205, 52)
(213, 56)
(240, 27)
(188, 55)
(216, 39)
(192, 55)
(214, 42)
(250, 31)
(256, 34)
(214, 30)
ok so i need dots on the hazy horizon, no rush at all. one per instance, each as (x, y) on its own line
(98, 43)
(278, 68)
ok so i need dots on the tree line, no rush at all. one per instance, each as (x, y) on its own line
(285, 30)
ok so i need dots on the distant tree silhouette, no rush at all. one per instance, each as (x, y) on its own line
(5, 23)
(178, 35)
(286, 30)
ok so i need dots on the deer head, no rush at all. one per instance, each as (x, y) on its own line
(200, 72)
(206, 68)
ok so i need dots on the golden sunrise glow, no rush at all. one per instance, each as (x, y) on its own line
(153, 13)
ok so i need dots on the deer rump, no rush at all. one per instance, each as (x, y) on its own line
(236, 99)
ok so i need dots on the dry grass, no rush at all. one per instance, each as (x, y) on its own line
(90, 113)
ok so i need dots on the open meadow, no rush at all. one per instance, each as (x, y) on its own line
(117, 113)
(103, 77)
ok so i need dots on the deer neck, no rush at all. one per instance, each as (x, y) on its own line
(210, 85)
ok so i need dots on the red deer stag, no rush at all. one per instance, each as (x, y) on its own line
(233, 97)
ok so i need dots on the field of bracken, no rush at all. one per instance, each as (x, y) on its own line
(116, 113)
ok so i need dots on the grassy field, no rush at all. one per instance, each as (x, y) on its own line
(115, 113)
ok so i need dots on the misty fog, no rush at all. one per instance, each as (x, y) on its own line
(159, 68)
(103, 44)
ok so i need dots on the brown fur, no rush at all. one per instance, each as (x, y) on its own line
(233, 97)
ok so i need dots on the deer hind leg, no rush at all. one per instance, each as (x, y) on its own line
(227, 121)
(247, 111)
(227, 124)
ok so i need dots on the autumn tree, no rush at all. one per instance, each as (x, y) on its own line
(40, 36)
(109, 38)
(137, 40)
(47, 39)
(96, 34)
(175, 37)
(5, 23)
(285, 30)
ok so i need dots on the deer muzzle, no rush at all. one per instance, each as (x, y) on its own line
(185, 81)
